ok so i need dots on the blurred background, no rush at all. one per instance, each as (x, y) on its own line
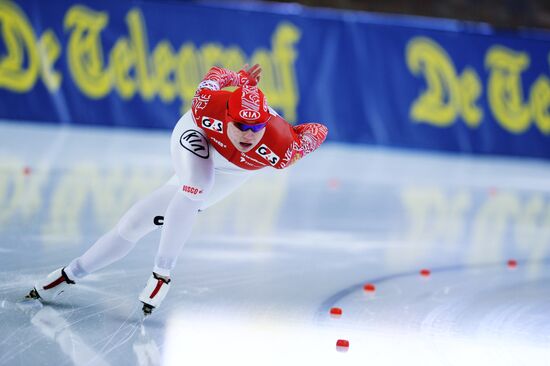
(436, 159)
(466, 77)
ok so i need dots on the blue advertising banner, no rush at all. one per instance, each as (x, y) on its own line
(386, 80)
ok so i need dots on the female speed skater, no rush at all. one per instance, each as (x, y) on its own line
(215, 147)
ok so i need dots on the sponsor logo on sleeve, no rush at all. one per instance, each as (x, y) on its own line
(195, 142)
(267, 154)
(212, 124)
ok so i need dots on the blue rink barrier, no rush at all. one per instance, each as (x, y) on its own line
(386, 80)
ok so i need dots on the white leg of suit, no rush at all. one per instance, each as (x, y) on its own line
(200, 186)
(117, 243)
(205, 186)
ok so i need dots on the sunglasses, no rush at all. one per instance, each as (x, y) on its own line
(244, 127)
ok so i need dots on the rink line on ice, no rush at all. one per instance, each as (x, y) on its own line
(322, 312)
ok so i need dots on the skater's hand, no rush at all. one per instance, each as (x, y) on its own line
(252, 73)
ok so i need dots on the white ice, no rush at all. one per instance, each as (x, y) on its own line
(256, 282)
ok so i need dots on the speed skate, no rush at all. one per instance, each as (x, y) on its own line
(51, 287)
(154, 292)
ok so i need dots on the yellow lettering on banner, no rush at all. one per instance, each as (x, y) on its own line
(130, 67)
(85, 52)
(123, 60)
(283, 91)
(436, 104)
(231, 58)
(211, 54)
(268, 79)
(140, 45)
(17, 72)
(234, 58)
(188, 74)
(278, 77)
(448, 95)
(50, 50)
(504, 88)
(540, 103)
(470, 84)
(164, 62)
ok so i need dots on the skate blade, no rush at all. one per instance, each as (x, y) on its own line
(147, 310)
(32, 295)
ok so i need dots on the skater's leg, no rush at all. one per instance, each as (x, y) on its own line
(118, 242)
(106, 250)
(178, 222)
(181, 214)
(180, 217)
(192, 159)
(194, 167)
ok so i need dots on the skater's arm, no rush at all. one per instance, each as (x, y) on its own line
(309, 136)
(218, 78)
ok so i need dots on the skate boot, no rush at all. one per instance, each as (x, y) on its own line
(154, 292)
(54, 284)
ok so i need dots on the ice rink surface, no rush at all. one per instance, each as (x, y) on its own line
(257, 280)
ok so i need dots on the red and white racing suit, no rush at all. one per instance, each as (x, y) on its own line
(208, 167)
(202, 152)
